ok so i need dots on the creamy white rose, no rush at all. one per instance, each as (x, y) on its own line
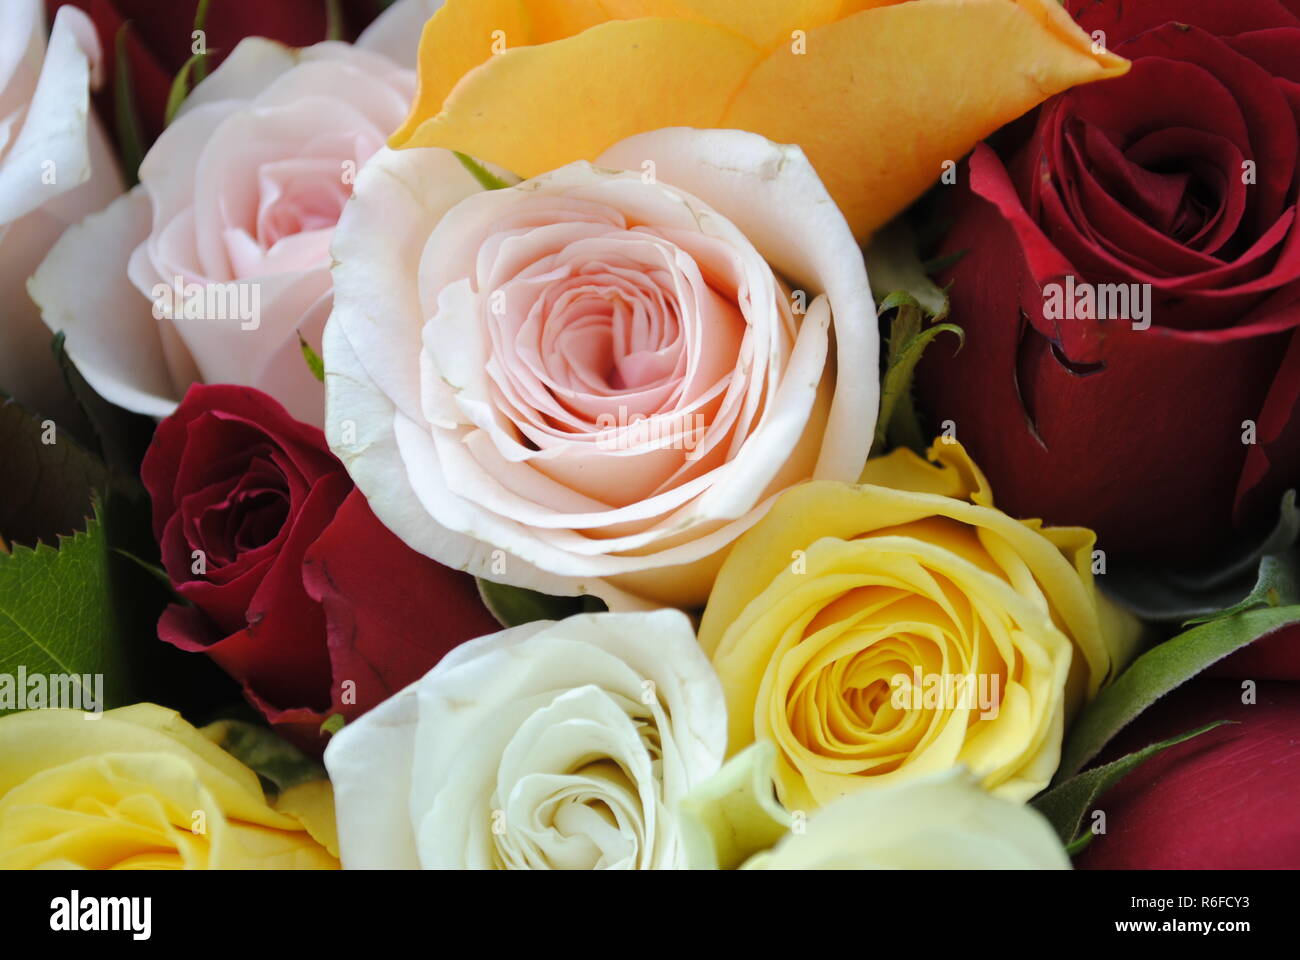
(55, 167)
(561, 745)
(218, 262)
(595, 380)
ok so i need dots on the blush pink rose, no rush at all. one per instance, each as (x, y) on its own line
(595, 380)
(218, 262)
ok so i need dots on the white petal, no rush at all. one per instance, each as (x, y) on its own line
(369, 763)
(82, 289)
(51, 153)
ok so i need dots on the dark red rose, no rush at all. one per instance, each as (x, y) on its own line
(160, 39)
(1274, 656)
(1138, 433)
(294, 587)
(1223, 800)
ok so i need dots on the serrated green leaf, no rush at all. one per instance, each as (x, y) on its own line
(279, 763)
(47, 479)
(486, 178)
(129, 139)
(1066, 804)
(314, 363)
(57, 614)
(1160, 670)
(513, 606)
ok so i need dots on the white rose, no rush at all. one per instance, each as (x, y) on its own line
(212, 268)
(595, 380)
(55, 167)
(563, 745)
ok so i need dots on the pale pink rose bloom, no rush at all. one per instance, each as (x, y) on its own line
(55, 167)
(595, 380)
(218, 262)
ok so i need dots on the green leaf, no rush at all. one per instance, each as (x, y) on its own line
(513, 606)
(1278, 585)
(486, 178)
(906, 345)
(333, 20)
(129, 138)
(332, 724)
(1066, 805)
(200, 23)
(314, 363)
(1167, 595)
(57, 614)
(181, 87)
(47, 480)
(1160, 670)
(277, 762)
(893, 265)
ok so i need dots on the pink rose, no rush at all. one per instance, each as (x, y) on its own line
(213, 267)
(594, 381)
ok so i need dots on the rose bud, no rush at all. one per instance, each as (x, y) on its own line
(290, 583)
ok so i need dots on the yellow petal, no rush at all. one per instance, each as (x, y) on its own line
(882, 98)
(456, 39)
(533, 109)
(765, 23)
(42, 739)
(312, 805)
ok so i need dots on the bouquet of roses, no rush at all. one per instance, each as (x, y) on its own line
(649, 434)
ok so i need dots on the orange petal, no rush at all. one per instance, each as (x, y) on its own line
(882, 98)
(533, 109)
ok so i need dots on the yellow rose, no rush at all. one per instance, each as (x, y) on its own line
(885, 631)
(878, 93)
(139, 788)
(941, 822)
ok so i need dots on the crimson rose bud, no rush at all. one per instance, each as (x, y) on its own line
(1166, 415)
(293, 586)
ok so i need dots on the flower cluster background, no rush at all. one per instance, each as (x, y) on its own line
(650, 434)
